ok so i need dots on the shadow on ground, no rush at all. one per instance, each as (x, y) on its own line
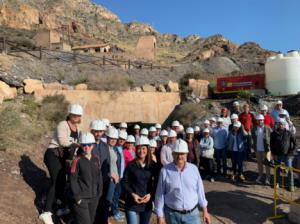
(36, 178)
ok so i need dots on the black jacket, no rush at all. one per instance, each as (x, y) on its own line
(86, 179)
(140, 181)
(282, 142)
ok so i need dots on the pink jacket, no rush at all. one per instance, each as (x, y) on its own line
(127, 156)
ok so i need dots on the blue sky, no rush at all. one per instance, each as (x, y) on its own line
(274, 24)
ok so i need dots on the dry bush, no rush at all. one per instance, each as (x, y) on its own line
(114, 82)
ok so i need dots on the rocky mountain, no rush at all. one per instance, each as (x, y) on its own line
(91, 23)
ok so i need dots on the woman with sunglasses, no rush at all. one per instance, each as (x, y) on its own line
(86, 182)
(140, 183)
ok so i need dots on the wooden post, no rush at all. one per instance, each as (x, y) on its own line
(103, 60)
(151, 66)
(128, 64)
(41, 53)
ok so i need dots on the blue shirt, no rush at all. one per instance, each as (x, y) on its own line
(179, 190)
(275, 114)
(220, 137)
(120, 150)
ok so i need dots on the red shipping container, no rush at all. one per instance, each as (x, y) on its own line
(237, 83)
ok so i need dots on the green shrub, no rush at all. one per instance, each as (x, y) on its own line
(245, 94)
(30, 106)
(53, 109)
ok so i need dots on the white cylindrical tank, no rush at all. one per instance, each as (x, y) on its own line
(283, 74)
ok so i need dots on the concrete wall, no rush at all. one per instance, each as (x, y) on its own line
(147, 107)
(145, 48)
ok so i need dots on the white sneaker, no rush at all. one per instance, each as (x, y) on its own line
(258, 180)
(46, 217)
(267, 181)
(62, 212)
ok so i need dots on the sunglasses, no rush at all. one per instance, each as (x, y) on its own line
(89, 145)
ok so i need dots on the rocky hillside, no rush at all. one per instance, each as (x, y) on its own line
(94, 22)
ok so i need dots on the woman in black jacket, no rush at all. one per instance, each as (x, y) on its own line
(86, 182)
(139, 182)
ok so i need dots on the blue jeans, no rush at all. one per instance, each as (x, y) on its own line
(237, 162)
(116, 197)
(288, 162)
(133, 217)
(221, 157)
(178, 218)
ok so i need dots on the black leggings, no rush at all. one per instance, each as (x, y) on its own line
(58, 179)
(85, 212)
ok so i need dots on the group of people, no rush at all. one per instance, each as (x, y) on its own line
(149, 169)
(159, 170)
(243, 135)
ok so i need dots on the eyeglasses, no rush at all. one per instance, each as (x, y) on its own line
(89, 145)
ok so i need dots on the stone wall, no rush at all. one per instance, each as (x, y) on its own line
(145, 48)
(147, 107)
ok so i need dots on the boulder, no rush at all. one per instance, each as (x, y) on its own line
(206, 54)
(137, 89)
(81, 86)
(1, 98)
(200, 87)
(161, 88)
(53, 86)
(7, 92)
(148, 88)
(31, 85)
(172, 86)
(67, 87)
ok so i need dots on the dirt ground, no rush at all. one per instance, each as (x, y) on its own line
(23, 181)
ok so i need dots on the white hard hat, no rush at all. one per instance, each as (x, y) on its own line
(123, 125)
(181, 128)
(175, 124)
(172, 134)
(264, 107)
(189, 130)
(87, 138)
(196, 128)
(206, 130)
(212, 119)
(206, 122)
(158, 126)
(181, 146)
(144, 131)
(106, 122)
(260, 117)
(237, 124)
(281, 121)
(152, 129)
(97, 125)
(75, 109)
(143, 140)
(236, 103)
(220, 120)
(234, 116)
(278, 102)
(153, 143)
(130, 139)
(123, 134)
(164, 133)
(136, 127)
(112, 133)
